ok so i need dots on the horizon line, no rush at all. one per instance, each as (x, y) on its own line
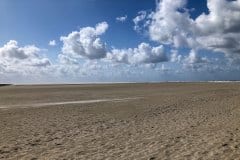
(93, 83)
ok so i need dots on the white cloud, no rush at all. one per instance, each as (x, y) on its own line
(223, 17)
(193, 58)
(175, 57)
(195, 62)
(92, 65)
(141, 21)
(85, 43)
(65, 59)
(52, 43)
(121, 19)
(25, 59)
(220, 29)
(169, 26)
(11, 50)
(217, 31)
(143, 54)
(164, 69)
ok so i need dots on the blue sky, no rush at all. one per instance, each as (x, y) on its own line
(155, 41)
(40, 21)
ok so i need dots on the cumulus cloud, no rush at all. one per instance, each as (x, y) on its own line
(142, 20)
(193, 58)
(12, 50)
(195, 62)
(139, 18)
(143, 54)
(175, 57)
(17, 62)
(219, 30)
(85, 43)
(52, 43)
(12, 54)
(223, 17)
(68, 60)
(163, 69)
(121, 19)
(169, 25)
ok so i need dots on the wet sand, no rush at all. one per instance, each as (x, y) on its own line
(121, 121)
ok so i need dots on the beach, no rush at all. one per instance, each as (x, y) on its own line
(147, 121)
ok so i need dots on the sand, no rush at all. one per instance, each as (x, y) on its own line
(123, 121)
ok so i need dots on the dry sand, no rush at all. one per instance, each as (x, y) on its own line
(156, 121)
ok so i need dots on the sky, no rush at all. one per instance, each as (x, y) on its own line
(84, 41)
